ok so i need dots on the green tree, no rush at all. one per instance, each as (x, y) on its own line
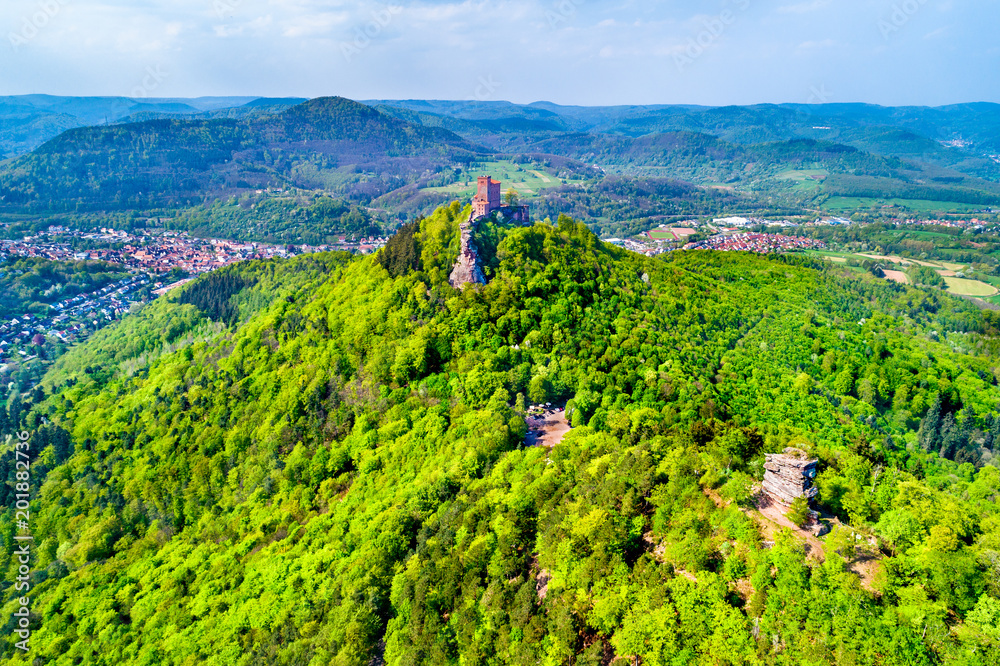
(798, 510)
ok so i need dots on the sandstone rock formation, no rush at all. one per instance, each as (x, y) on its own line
(788, 475)
(467, 269)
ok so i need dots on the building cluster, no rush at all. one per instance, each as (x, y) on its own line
(753, 242)
(740, 222)
(153, 253)
(647, 247)
(954, 224)
(160, 252)
(69, 319)
(831, 222)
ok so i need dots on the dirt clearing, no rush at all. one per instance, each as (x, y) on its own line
(547, 428)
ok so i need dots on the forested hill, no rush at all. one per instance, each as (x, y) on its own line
(320, 460)
(170, 162)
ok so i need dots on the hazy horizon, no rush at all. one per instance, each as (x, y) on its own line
(247, 98)
(570, 52)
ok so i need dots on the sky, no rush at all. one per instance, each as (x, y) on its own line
(586, 52)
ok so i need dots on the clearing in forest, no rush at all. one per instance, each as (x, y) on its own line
(546, 429)
(770, 519)
(965, 287)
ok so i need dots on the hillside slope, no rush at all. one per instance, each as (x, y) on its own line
(28, 121)
(320, 461)
(170, 162)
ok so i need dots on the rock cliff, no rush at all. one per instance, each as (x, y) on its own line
(788, 475)
(467, 269)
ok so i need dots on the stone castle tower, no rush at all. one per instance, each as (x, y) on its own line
(487, 197)
(467, 269)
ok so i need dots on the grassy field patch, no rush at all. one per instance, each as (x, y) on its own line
(965, 287)
(511, 176)
(848, 205)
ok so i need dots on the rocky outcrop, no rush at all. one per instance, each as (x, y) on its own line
(789, 475)
(467, 269)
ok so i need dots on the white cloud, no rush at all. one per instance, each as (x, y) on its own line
(257, 27)
(315, 24)
(566, 50)
(803, 7)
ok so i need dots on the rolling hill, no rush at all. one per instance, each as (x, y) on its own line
(407, 157)
(28, 121)
(322, 460)
(176, 162)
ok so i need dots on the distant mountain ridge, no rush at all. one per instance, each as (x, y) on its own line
(28, 121)
(404, 156)
(165, 162)
(972, 130)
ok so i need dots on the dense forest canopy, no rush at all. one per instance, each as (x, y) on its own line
(178, 162)
(320, 460)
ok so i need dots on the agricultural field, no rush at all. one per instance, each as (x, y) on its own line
(964, 287)
(895, 269)
(671, 234)
(524, 179)
(848, 205)
(897, 276)
(805, 180)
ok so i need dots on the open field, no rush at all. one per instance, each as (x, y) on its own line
(965, 287)
(920, 234)
(803, 174)
(511, 175)
(943, 268)
(947, 270)
(893, 259)
(672, 233)
(897, 276)
(851, 204)
(804, 179)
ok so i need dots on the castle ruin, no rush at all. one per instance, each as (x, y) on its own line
(467, 269)
(487, 197)
(488, 200)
